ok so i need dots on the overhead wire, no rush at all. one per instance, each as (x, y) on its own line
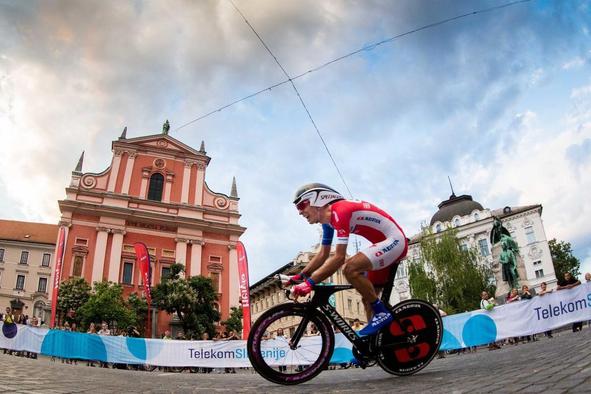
(364, 48)
(299, 97)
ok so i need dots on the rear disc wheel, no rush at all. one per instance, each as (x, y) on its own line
(412, 340)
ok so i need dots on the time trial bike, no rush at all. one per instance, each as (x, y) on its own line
(403, 348)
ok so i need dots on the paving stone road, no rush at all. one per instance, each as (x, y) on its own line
(561, 364)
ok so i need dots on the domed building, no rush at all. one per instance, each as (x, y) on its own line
(473, 223)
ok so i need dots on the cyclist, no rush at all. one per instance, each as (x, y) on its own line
(319, 203)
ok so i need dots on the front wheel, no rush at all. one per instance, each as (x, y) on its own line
(277, 361)
(412, 339)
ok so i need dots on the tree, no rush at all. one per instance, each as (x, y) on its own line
(192, 300)
(448, 275)
(563, 259)
(106, 303)
(234, 322)
(139, 306)
(73, 293)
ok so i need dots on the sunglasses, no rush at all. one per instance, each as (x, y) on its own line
(302, 205)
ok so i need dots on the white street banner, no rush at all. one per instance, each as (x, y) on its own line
(520, 318)
(462, 330)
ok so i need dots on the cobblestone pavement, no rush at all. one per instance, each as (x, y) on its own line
(561, 364)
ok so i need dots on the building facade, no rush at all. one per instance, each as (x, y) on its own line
(26, 262)
(268, 292)
(153, 192)
(474, 224)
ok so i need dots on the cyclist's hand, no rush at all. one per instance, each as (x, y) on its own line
(302, 289)
(291, 280)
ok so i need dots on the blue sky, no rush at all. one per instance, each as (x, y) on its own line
(499, 101)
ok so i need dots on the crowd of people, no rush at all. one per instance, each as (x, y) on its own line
(488, 303)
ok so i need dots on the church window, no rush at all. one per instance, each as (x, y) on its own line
(77, 268)
(42, 286)
(156, 186)
(20, 282)
(127, 273)
(483, 244)
(531, 236)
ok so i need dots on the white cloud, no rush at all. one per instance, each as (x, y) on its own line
(398, 119)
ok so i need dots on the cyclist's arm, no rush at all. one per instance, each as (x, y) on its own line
(317, 260)
(323, 253)
(331, 265)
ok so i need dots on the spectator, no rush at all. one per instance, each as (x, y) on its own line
(442, 313)
(133, 332)
(488, 303)
(526, 295)
(166, 335)
(543, 291)
(104, 329)
(106, 332)
(357, 325)
(180, 336)
(568, 283)
(205, 337)
(587, 280)
(91, 329)
(513, 296)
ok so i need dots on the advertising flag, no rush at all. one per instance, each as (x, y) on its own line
(142, 258)
(244, 288)
(59, 258)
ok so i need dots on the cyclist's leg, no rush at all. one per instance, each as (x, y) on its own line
(377, 257)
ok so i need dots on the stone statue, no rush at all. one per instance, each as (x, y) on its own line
(508, 260)
(165, 127)
(497, 231)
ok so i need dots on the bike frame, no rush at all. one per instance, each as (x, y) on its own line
(320, 301)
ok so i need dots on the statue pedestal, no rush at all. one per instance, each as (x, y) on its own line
(503, 287)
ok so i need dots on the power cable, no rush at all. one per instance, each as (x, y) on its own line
(299, 97)
(365, 48)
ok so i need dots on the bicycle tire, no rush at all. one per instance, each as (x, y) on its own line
(315, 358)
(412, 340)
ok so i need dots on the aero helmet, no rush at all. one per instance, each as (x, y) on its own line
(317, 194)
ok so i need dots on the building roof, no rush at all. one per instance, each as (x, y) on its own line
(460, 206)
(12, 230)
(508, 211)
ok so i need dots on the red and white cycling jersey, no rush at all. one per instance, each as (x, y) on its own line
(372, 223)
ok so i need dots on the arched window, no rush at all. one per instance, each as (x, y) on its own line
(156, 185)
(438, 228)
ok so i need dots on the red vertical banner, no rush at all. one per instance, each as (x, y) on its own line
(244, 288)
(57, 274)
(142, 258)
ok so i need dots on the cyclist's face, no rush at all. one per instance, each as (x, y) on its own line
(310, 213)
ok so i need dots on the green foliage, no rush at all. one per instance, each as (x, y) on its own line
(234, 322)
(563, 259)
(192, 300)
(447, 275)
(107, 303)
(73, 293)
(139, 306)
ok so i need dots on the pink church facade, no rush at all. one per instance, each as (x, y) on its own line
(154, 192)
